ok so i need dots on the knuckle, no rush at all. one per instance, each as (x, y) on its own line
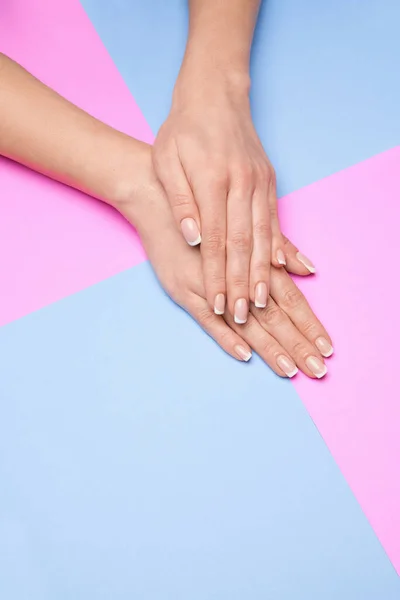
(262, 229)
(215, 161)
(268, 348)
(180, 200)
(299, 349)
(243, 175)
(224, 338)
(217, 282)
(273, 212)
(215, 242)
(308, 327)
(272, 316)
(261, 269)
(217, 178)
(240, 241)
(263, 174)
(237, 282)
(291, 298)
(205, 317)
(266, 174)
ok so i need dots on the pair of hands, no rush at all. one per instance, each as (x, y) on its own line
(221, 188)
(286, 333)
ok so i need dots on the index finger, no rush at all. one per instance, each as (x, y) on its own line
(293, 302)
(173, 178)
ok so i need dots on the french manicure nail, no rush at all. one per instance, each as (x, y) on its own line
(261, 294)
(219, 304)
(280, 257)
(324, 347)
(287, 366)
(242, 353)
(316, 366)
(306, 262)
(241, 311)
(191, 232)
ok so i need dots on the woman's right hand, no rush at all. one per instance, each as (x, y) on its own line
(286, 334)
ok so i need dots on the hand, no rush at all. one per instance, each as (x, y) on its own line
(286, 334)
(222, 191)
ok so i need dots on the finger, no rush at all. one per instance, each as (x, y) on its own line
(296, 262)
(239, 248)
(211, 194)
(172, 176)
(218, 329)
(278, 254)
(265, 345)
(283, 252)
(260, 264)
(290, 299)
(277, 323)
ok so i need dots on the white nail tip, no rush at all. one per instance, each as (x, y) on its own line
(281, 261)
(321, 375)
(259, 305)
(243, 354)
(196, 242)
(218, 312)
(310, 269)
(292, 373)
(328, 354)
(239, 321)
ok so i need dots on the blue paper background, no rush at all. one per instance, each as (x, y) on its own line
(136, 459)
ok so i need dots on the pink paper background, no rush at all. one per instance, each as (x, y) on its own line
(350, 224)
(53, 240)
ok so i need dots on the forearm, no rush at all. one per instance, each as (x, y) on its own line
(45, 132)
(219, 43)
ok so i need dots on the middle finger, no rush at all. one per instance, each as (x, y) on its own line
(239, 248)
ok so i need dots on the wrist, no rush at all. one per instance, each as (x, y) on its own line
(134, 189)
(127, 170)
(204, 80)
(139, 197)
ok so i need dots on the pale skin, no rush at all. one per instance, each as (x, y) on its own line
(209, 159)
(45, 132)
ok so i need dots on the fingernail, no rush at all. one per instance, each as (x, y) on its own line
(324, 347)
(316, 366)
(261, 294)
(241, 311)
(242, 353)
(287, 366)
(191, 232)
(306, 262)
(219, 305)
(280, 257)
